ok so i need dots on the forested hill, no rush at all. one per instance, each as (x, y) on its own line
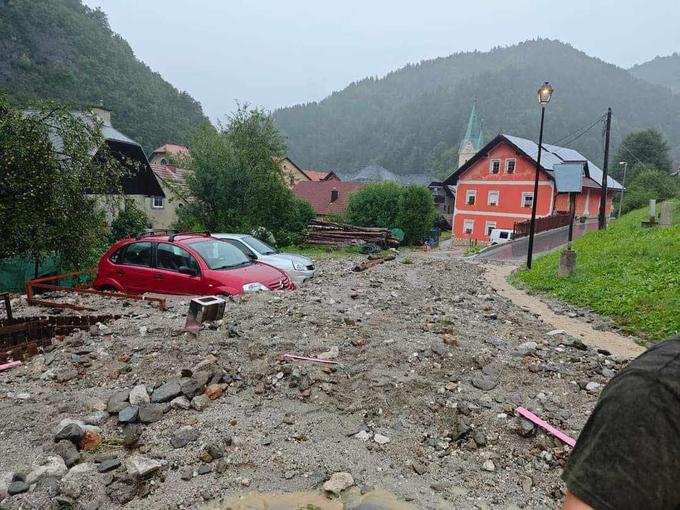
(661, 70)
(412, 120)
(63, 50)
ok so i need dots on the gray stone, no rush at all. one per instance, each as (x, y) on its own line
(67, 451)
(117, 401)
(221, 466)
(51, 467)
(187, 473)
(191, 388)
(66, 374)
(489, 466)
(139, 466)
(484, 382)
(438, 348)
(17, 488)
(204, 469)
(166, 392)
(479, 438)
(338, 482)
(592, 387)
(526, 428)
(131, 434)
(525, 348)
(419, 467)
(180, 403)
(183, 436)
(151, 413)
(108, 465)
(215, 450)
(122, 491)
(200, 402)
(567, 267)
(139, 396)
(129, 415)
(96, 418)
(72, 432)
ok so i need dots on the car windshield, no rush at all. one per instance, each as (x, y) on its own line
(259, 246)
(220, 255)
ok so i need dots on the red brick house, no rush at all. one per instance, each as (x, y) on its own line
(326, 197)
(494, 188)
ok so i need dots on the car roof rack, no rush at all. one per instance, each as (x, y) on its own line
(153, 232)
(175, 234)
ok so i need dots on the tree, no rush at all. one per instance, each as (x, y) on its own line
(649, 183)
(236, 183)
(48, 178)
(390, 205)
(130, 220)
(374, 205)
(417, 213)
(646, 148)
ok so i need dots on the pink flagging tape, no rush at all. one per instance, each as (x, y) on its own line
(9, 365)
(314, 360)
(545, 425)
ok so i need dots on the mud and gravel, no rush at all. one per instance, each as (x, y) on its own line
(431, 364)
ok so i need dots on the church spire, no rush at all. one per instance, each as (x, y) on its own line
(474, 137)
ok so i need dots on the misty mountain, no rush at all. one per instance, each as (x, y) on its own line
(412, 119)
(63, 50)
(661, 70)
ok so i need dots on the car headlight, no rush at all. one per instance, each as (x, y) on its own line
(299, 267)
(254, 287)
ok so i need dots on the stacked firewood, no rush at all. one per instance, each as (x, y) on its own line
(338, 235)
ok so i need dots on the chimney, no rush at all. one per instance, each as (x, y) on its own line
(334, 195)
(103, 113)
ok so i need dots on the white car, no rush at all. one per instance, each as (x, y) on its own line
(300, 269)
(500, 236)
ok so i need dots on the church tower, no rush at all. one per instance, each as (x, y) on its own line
(474, 139)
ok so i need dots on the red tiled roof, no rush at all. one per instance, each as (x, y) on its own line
(318, 193)
(318, 175)
(171, 174)
(175, 150)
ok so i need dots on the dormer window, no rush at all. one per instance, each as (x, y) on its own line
(495, 166)
(164, 161)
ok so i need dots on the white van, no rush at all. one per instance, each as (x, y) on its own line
(500, 236)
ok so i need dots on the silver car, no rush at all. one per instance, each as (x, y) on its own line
(297, 267)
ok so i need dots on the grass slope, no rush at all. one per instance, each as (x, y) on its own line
(627, 273)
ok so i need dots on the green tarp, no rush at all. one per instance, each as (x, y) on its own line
(15, 271)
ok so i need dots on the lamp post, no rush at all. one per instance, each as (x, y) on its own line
(623, 184)
(544, 95)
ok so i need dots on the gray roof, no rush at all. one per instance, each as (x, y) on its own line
(375, 173)
(418, 179)
(554, 155)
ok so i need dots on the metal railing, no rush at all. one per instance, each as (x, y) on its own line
(521, 229)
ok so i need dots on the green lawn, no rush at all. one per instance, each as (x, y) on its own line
(627, 273)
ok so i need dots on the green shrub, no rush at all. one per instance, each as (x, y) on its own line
(130, 220)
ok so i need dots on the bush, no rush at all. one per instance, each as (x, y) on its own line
(647, 184)
(130, 220)
(391, 205)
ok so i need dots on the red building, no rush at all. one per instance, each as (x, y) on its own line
(494, 188)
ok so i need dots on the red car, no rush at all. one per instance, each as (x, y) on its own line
(191, 264)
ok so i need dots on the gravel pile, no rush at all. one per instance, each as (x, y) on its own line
(431, 364)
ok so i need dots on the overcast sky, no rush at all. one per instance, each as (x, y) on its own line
(275, 53)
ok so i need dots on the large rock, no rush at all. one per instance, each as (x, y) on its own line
(200, 402)
(66, 374)
(139, 466)
(139, 396)
(191, 388)
(180, 403)
(151, 413)
(67, 451)
(73, 432)
(52, 466)
(166, 392)
(338, 483)
(183, 436)
(118, 401)
(128, 415)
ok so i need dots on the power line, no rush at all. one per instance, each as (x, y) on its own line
(579, 132)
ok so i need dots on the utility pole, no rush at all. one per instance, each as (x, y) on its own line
(602, 219)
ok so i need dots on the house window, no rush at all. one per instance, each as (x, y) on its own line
(489, 226)
(468, 226)
(164, 161)
(495, 166)
(470, 197)
(510, 166)
(157, 202)
(492, 199)
(527, 199)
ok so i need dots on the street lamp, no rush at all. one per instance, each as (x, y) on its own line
(544, 95)
(624, 164)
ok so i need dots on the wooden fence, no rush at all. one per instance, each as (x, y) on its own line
(521, 229)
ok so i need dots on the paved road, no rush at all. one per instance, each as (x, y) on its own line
(543, 243)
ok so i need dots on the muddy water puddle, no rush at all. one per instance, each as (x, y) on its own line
(353, 500)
